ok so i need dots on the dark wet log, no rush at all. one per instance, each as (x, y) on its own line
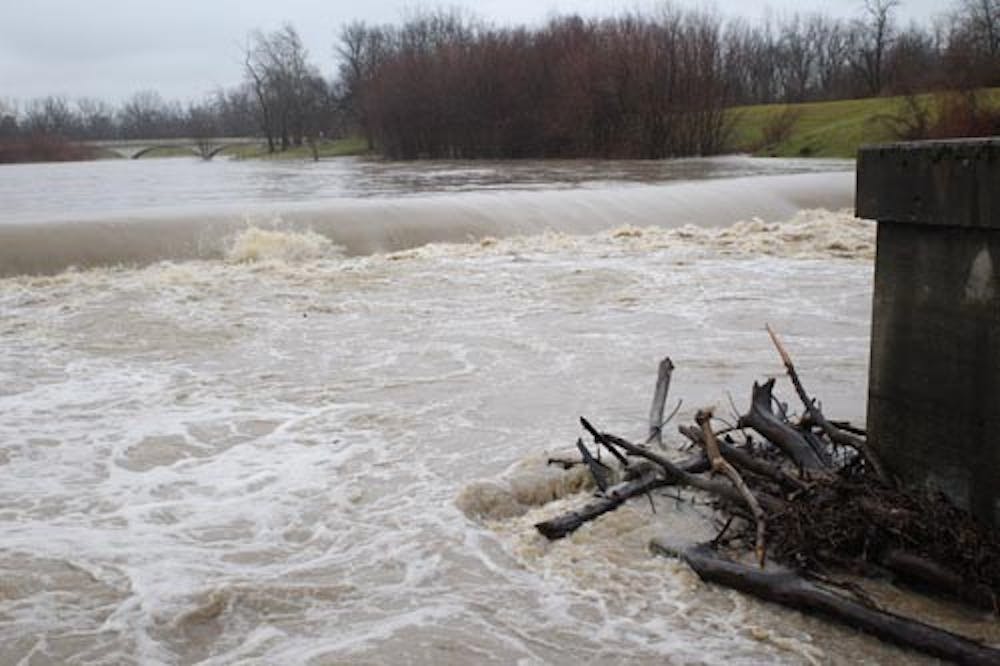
(932, 577)
(813, 412)
(762, 418)
(659, 401)
(648, 479)
(614, 497)
(785, 587)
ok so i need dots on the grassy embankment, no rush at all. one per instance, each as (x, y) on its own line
(822, 129)
(352, 145)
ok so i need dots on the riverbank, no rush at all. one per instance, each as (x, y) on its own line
(350, 146)
(837, 128)
(817, 129)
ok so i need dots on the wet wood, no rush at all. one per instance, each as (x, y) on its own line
(822, 509)
(783, 586)
(815, 414)
(600, 472)
(747, 461)
(649, 478)
(931, 576)
(656, 421)
(721, 466)
(762, 418)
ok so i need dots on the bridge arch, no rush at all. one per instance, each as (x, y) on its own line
(206, 149)
(218, 149)
(149, 149)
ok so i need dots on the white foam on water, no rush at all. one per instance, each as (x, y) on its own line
(256, 244)
(301, 458)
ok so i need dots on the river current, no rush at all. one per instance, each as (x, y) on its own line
(306, 422)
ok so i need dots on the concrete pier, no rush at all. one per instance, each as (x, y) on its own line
(934, 387)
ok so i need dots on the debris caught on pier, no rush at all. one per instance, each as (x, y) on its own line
(805, 508)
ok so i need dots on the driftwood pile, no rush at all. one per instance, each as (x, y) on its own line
(812, 496)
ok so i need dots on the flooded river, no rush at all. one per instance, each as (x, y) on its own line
(295, 413)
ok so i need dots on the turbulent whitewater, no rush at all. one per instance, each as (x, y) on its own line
(288, 450)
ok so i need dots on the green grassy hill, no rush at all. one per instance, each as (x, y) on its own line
(822, 129)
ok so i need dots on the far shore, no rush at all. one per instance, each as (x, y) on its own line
(818, 129)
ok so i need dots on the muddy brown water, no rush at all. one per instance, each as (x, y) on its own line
(282, 445)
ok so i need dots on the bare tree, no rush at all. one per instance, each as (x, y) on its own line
(8, 119)
(832, 48)
(144, 116)
(872, 41)
(981, 19)
(276, 69)
(360, 49)
(797, 58)
(50, 115)
(96, 118)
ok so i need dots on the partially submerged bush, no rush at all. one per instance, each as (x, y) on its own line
(948, 114)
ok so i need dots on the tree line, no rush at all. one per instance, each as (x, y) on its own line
(640, 84)
(653, 84)
(283, 98)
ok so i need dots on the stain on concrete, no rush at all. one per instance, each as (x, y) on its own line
(979, 287)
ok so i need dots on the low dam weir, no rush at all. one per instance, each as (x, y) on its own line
(379, 224)
(934, 385)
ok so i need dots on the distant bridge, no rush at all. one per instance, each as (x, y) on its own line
(206, 149)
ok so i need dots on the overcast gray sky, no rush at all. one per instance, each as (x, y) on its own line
(186, 48)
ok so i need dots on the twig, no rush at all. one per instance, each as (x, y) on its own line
(670, 417)
(603, 440)
(725, 528)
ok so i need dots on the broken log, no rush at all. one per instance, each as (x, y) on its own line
(783, 586)
(762, 418)
(656, 422)
(649, 478)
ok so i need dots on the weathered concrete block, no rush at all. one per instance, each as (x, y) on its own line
(934, 386)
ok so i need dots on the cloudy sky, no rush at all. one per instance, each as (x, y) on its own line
(186, 48)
